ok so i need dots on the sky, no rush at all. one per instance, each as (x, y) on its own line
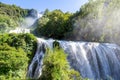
(41, 5)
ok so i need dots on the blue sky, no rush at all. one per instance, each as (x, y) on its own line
(41, 5)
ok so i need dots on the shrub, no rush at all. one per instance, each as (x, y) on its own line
(16, 51)
(13, 62)
(56, 67)
(25, 41)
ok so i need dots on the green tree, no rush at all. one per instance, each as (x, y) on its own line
(54, 24)
(97, 20)
(27, 42)
(56, 67)
(13, 62)
(11, 16)
(16, 52)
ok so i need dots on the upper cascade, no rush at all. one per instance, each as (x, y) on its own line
(39, 15)
(93, 60)
(34, 14)
(28, 22)
(20, 30)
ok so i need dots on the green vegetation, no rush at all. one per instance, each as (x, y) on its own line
(11, 16)
(12, 11)
(56, 67)
(97, 20)
(16, 51)
(27, 42)
(13, 63)
(54, 24)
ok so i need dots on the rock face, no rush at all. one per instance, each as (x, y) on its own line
(32, 13)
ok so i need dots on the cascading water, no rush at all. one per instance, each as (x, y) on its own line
(93, 60)
(35, 68)
(20, 30)
(26, 25)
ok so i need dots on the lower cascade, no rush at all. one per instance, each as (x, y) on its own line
(95, 61)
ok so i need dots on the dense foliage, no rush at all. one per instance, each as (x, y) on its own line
(16, 51)
(11, 16)
(54, 24)
(13, 63)
(97, 20)
(12, 11)
(27, 42)
(56, 67)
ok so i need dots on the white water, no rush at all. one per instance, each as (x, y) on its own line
(39, 15)
(35, 68)
(20, 30)
(26, 25)
(93, 60)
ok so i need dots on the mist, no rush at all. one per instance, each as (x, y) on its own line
(24, 26)
(28, 22)
(100, 26)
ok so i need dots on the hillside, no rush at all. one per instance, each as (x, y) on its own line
(11, 16)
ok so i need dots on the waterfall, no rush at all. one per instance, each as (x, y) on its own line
(20, 30)
(26, 25)
(35, 68)
(93, 60)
